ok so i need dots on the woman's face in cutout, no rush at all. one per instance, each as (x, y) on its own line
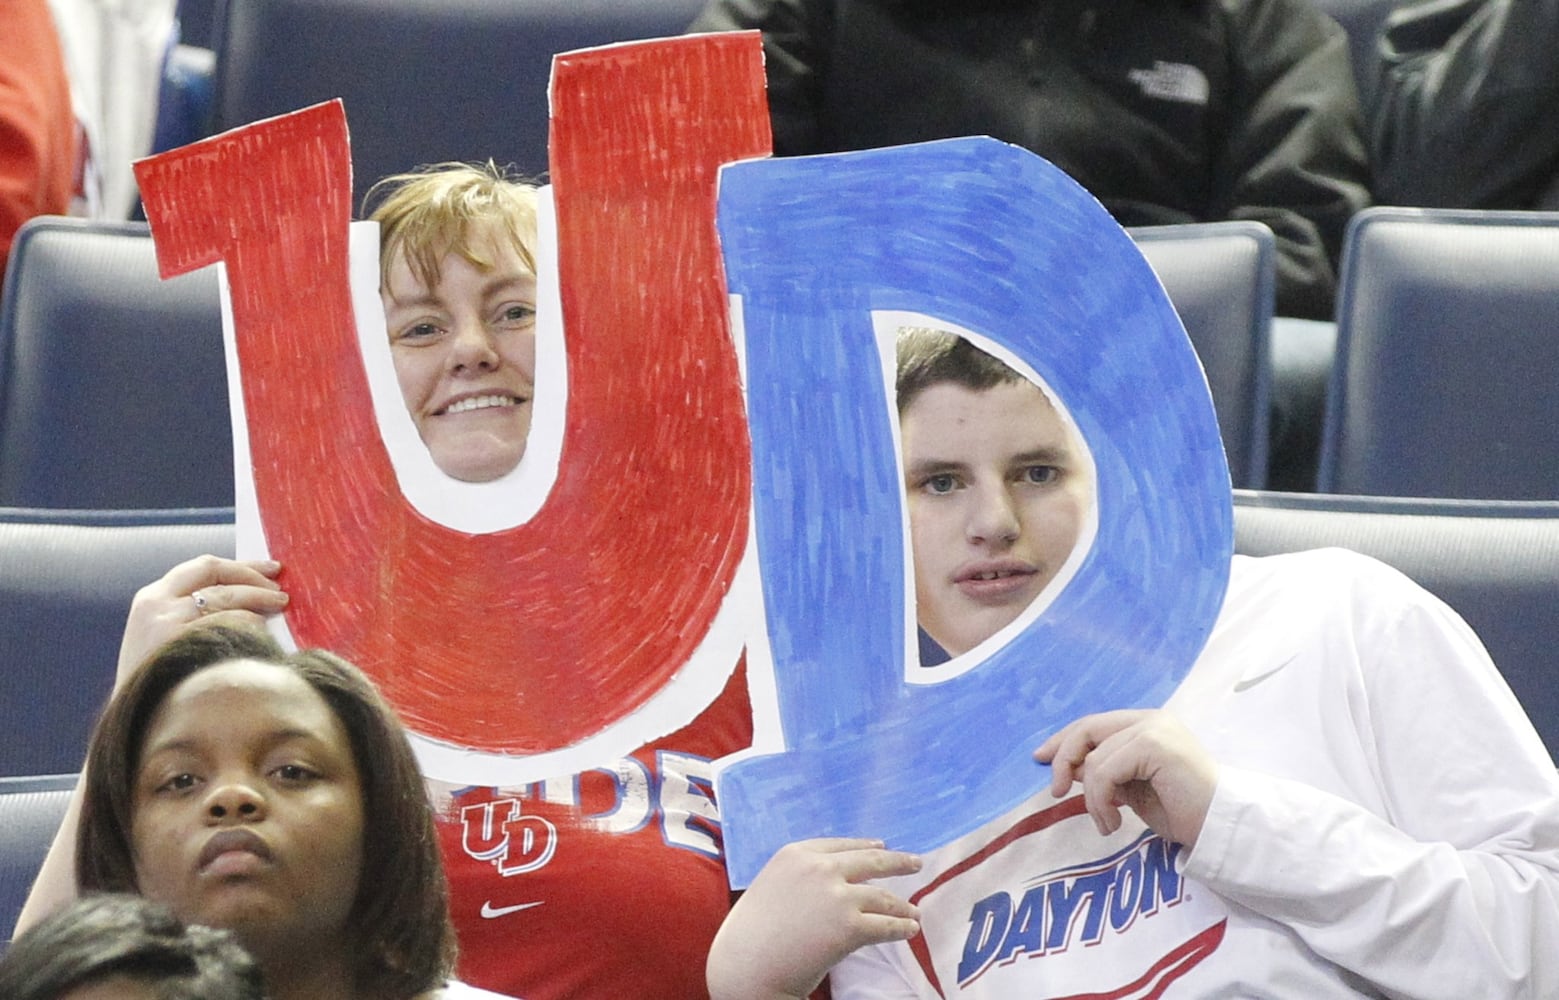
(998, 493)
(465, 357)
(248, 810)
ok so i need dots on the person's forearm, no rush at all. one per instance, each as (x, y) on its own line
(745, 991)
(55, 885)
(1479, 916)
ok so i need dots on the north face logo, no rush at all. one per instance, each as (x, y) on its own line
(1172, 82)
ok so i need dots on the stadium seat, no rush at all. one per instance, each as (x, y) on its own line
(66, 581)
(1447, 359)
(113, 385)
(1219, 276)
(198, 20)
(1301, 361)
(1496, 563)
(423, 81)
(30, 812)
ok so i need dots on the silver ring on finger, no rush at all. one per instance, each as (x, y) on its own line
(202, 606)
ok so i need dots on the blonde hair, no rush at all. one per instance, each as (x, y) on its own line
(448, 207)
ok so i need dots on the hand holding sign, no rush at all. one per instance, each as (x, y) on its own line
(970, 235)
(516, 648)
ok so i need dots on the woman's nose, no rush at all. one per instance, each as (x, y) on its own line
(472, 347)
(235, 801)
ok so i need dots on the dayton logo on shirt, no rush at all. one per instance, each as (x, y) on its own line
(1079, 904)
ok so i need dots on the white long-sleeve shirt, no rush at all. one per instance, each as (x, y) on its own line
(1386, 824)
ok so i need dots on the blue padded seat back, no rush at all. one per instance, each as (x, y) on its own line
(30, 812)
(1447, 357)
(113, 385)
(1496, 563)
(1219, 276)
(198, 20)
(66, 581)
(423, 81)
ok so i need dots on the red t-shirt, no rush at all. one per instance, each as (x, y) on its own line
(610, 883)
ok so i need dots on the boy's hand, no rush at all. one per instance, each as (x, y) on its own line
(807, 909)
(1145, 760)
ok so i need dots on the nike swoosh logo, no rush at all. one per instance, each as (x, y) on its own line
(489, 911)
(1250, 682)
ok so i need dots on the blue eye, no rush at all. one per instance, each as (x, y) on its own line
(519, 313)
(944, 482)
(1041, 475)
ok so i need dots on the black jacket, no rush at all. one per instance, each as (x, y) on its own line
(1468, 108)
(1167, 110)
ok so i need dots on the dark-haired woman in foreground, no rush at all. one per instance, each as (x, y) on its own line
(273, 795)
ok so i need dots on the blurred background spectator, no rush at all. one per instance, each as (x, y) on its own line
(114, 56)
(1467, 114)
(1168, 111)
(38, 143)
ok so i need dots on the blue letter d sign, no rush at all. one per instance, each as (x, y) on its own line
(974, 236)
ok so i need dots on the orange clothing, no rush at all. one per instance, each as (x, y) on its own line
(38, 145)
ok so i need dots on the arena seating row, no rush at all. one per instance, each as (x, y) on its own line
(66, 582)
(1441, 384)
(85, 307)
(1446, 359)
(115, 451)
(425, 76)
(31, 808)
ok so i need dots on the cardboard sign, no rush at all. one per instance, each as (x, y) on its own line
(596, 597)
(549, 646)
(826, 258)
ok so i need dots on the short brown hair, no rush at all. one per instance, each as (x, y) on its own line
(406, 944)
(449, 206)
(928, 357)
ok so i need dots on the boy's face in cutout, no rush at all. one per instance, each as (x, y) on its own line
(997, 496)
